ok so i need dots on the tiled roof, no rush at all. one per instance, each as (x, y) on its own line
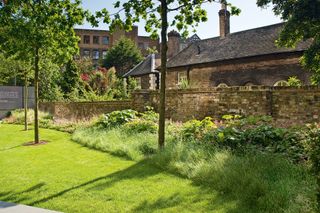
(254, 42)
(147, 66)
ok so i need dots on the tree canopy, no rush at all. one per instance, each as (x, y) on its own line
(302, 23)
(123, 56)
(33, 30)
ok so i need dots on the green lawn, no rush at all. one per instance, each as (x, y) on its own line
(68, 177)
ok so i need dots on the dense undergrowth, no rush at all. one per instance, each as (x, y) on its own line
(263, 167)
(46, 121)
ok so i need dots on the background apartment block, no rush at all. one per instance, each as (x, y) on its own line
(95, 43)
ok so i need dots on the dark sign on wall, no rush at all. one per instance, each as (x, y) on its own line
(12, 97)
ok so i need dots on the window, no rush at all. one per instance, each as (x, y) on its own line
(182, 77)
(86, 39)
(104, 54)
(281, 84)
(95, 54)
(86, 53)
(222, 85)
(96, 39)
(105, 40)
(138, 80)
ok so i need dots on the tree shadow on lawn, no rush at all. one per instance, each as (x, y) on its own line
(143, 170)
(140, 170)
(9, 148)
(20, 196)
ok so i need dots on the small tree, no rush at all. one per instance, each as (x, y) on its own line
(40, 29)
(155, 13)
(302, 23)
(123, 56)
(70, 77)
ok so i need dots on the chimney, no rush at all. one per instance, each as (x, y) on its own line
(173, 43)
(224, 16)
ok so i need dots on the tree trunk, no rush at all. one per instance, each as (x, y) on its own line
(164, 47)
(36, 96)
(26, 94)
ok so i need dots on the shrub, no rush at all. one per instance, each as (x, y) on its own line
(150, 115)
(139, 126)
(117, 118)
(196, 130)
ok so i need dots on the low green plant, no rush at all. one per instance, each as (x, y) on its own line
(184, 84)
(196, 130)
(117, 118)
(294, 81)
(149, 114)
(139, 126)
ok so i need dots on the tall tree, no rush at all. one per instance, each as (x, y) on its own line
(155, 13)
(40, 28)
(302, 22)
(123, 56)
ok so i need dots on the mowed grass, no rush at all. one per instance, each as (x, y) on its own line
(68, 177)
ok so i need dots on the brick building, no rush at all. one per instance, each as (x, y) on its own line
(146, 73)
(238, 59)
(95, 43)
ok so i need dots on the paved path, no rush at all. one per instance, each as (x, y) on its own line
(17, 208)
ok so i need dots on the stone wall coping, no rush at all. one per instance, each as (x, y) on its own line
(233, 89)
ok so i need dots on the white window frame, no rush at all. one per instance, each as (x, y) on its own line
(138, 80)
(281, 83)
(223, 85)
(182, 76)
(95, 54)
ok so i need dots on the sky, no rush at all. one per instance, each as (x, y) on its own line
(251, 17)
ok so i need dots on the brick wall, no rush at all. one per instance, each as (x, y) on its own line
(297, 105)
(82, 110)
(285, 104)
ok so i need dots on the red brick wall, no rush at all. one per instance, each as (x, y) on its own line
(296, 105)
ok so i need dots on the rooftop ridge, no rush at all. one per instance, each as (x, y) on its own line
(242, 31)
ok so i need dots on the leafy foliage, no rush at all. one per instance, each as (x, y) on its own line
(70, 77)
(294, 81)
(196, 130)
(49, 81)
(312, 143)
(302, 23)
(117, 118)
(33, 30)
(123, 56)
(140, 125)
(12, 71)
